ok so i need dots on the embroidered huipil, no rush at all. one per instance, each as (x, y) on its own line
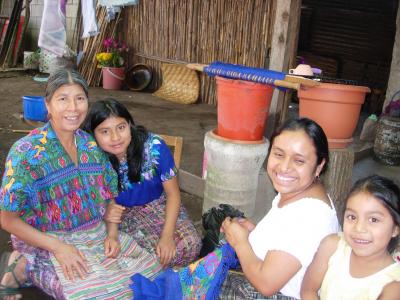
(49, 191)
(158, 166)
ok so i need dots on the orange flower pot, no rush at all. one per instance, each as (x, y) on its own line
(336, 108)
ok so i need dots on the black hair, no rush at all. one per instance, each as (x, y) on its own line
(387, 192)
(64, 76)
(109, 107)
(314, 132)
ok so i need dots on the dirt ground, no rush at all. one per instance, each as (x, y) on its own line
(188, 121)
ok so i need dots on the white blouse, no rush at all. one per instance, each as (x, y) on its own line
(296, 228)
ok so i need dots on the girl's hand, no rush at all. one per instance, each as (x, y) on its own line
(71, 259)
(235, 233)
(112, 247)
(166, 250)
(114, 213)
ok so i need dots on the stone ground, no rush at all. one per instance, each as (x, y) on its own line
(188, 121)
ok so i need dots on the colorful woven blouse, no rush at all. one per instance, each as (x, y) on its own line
(158, 166)
(50, 192)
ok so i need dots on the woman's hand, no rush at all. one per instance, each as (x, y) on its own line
(235, 233)
(246, 224)
(166, 250)
(71, 259)
(112, 246)
(114, 212)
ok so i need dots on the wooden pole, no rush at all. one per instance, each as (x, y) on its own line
(337, 178)
(284, 36)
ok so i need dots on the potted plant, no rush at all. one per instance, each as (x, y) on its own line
(31, 59)
(112, 63)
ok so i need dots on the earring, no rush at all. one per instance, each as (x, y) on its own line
(316, 178)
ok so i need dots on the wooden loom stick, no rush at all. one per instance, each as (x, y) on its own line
(282, 83)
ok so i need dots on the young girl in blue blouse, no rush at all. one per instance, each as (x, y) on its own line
(149, 206)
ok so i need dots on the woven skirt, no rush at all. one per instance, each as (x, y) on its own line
(145, 224)
(237, 287)
(108, 278)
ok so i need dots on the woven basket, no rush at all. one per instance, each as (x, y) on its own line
(180, 84)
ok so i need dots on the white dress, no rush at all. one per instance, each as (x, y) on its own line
(338, 284)
(296, 228)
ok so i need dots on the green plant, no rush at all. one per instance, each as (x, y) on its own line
(33, 58)
(113, 57)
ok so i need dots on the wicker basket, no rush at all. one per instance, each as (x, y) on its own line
(180, 84)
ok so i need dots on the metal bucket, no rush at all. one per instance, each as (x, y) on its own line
(387, 141)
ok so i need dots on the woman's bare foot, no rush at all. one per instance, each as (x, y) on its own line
(18, 276)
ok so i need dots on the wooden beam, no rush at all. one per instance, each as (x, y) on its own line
(191, 183)
(337, 178)
(283, 50)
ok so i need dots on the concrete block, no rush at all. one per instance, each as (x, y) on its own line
(37, 10)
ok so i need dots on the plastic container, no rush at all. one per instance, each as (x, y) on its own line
(113, 78)
(243, 109)
(232, 169)
(34, 108)
(336, 108)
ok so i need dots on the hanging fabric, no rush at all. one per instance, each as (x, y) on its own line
(53, 35)
(118, 2)
(90, 27)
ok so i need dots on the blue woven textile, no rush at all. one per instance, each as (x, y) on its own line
(233, 71)
(158, 166)
(200, 280)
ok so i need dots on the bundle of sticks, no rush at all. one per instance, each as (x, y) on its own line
(93, 45)
(275, 78)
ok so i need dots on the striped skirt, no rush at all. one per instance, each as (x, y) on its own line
(237, 287)
(108, 278)
(145, 224)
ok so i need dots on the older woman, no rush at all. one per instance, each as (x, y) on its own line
(55, 189)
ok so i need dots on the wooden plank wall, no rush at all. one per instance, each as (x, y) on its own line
(350, 39)
(234, 31)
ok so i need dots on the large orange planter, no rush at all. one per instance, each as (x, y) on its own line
(336, 108)
(243, 109)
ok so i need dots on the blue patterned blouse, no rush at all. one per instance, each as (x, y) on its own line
(158, 166)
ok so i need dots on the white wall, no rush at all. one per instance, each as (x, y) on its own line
(31, 37)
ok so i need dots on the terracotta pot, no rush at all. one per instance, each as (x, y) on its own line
(113, 78)
(336, 108)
